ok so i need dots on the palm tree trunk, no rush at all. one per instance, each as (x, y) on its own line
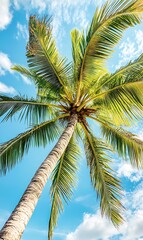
(15, 225)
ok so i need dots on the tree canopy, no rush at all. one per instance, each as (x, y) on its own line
(84, 87)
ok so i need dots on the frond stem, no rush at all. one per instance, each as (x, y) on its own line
(33, 103)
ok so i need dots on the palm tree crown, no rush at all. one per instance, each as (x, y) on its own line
(84, 88)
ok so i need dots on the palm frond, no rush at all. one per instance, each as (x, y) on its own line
(131, 73)
(123, 102)
(105, 31)
(79, 133)
(120, 93)
(103, 179)
(63, 182)
(11, 152)
(44, 88)
(43, 56)
(32, 109)
(108, 24)
(24, 71)
(127, 145)
(78, 45)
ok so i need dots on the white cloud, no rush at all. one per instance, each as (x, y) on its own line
(70, 12)
(126, 170)
(82, 198)
(25, 79)
(5, 63)
(6, 89)
(64, 11)
(134, 229)
(139, 40)
(5, 14)
(95, 227)
(5, 66)
(31, 4)
(22, 31)
(129, 49)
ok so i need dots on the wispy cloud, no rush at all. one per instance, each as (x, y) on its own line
(82, 198)
(126, 170)
(129, 49)
(5, 66)
(6, 89)
(22, 31)
(5, 63)
(39, 5)
(26, 80)
(5, 14)
(70, 12)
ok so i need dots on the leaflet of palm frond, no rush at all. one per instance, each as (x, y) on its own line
(79, 133)
(40, 82)
(108, 116)
(43, 57)
(125, 143)
(107, 27)
(11, 152)
(103, 178)
(78, 46)
(125, 102)
(30, 109)
(92, 88)
(47, 96)
(132, 72)
(63, 181)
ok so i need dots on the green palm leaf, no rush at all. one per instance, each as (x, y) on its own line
(78, 45)
(79, 133)
(31, 109)
(104, 33)
(43, 57)
(120, 93)
(131, 73)
(124, 102)
(63, 182)
(11, 152)
(84, 89)
(44, 88)
(124, 142)
(103, 179)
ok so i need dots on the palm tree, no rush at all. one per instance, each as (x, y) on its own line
(70, 96)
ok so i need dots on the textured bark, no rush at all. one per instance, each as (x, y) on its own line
(15, 225)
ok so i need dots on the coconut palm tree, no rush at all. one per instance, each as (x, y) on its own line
(70, 96)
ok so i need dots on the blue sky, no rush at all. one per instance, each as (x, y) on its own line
(81, 218)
